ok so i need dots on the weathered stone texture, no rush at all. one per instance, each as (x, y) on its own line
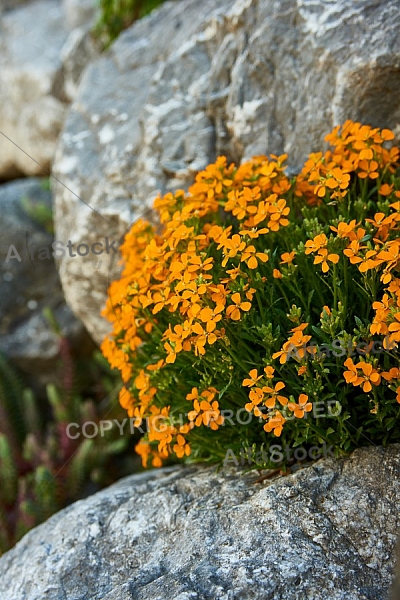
(40, 64)
(193, 81)
(327, 531)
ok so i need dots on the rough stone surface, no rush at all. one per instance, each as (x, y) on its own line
(193, 81)
(39, 69)
(32, 110)
(327, 531)
(32, 283)
(79, 13)
(79, 49)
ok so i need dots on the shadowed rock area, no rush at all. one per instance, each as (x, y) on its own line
(327, 531)
(29, 281)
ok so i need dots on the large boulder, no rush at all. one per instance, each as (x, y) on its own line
(40, 63)
(29, 281)
(195, 80)
(327, 531)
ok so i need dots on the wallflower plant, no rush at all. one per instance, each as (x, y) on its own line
(250, 296)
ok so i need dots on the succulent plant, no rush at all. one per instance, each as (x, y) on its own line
(41, 468)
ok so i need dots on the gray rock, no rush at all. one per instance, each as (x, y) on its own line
(79, 49)
(327, 531)
(40, 66)
(79, 13)
(29, 281)
(10, 4)
(193, 81)
(32, 107)
(395, 589)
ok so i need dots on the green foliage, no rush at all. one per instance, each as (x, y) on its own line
(41, 468)
(39, 212)
(266, 308)
(117, 15)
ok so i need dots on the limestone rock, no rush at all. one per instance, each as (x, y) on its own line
(31, 113)
(79, 13)
(40, 65)
(79, 49)
(193, 81)
(327, 531)
(29, 281)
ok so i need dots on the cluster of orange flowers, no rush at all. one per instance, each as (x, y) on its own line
(319, 244)
(364, 375)
(357, 149)
(175, 272)
(169, 436)
(268, 396)
(172, 271)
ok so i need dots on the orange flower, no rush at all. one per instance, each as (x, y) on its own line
(233, 311)
(369, 168)
(254, 377)
(394, 373)
(211, 316)
(323, 257)
(275, 424)
(296, 344)
(269, 372)
(193, 395)
(320, 241)
(344, 230)
(398, 394)
(250, 256)
(278, 213)
(256, 396)
(366, 378)
(369, 262)
(370, 375)
(181, 448)
(301, 407)
(232, 247)
(206, 413)
(334, 179)
(351, 375)
(386, 189)
(203, 337)
(287, 258)
(145, 452)
(262, 212)
(274, 395)
(392, 257)
(394, 328)
(352, 252)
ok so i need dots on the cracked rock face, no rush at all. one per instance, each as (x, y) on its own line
(193, 81)
(327, 531)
